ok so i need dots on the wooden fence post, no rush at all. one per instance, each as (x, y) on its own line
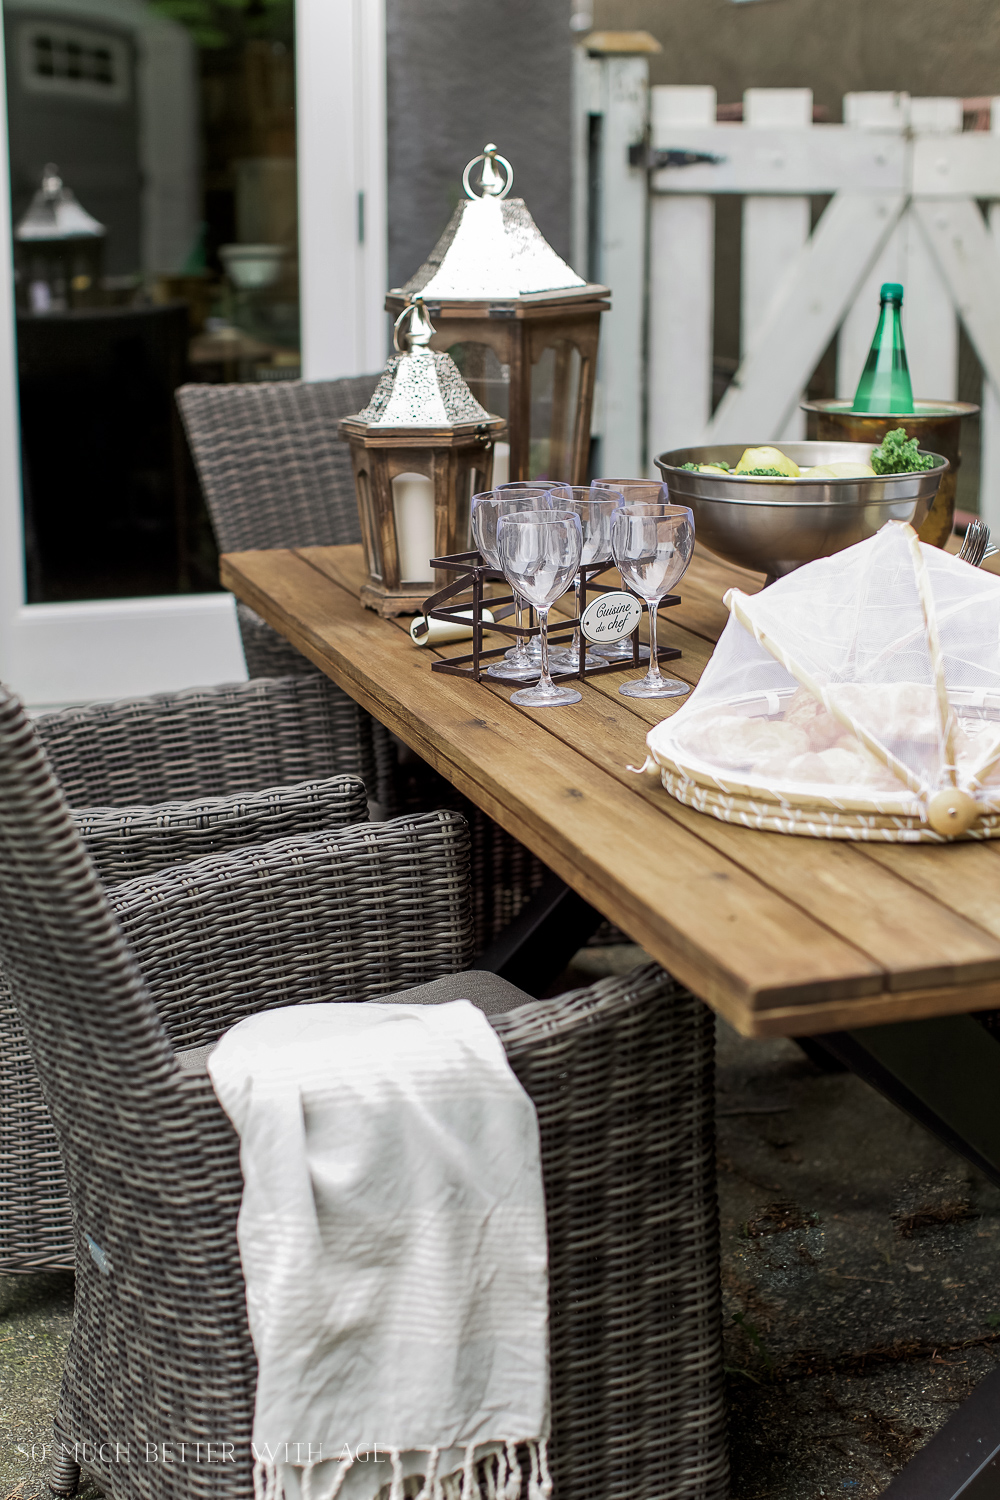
(989, 441)
(774, 228)
(681, 286)
(930, 324)
(882, 114)
(619, 244)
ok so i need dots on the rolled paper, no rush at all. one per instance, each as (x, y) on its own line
(440, 632)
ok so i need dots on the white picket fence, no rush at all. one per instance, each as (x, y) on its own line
(904, 184)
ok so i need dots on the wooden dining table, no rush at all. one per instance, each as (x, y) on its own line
(782, 935)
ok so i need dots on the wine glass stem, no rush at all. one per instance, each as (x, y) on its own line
(575, 647)
(654, 674)
(545, 680)
(521, 658)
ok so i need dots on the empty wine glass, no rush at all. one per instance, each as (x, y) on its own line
(595, 509)
(488, 509)
(540, 553)
(653, 492)
(547, 488)
(652, 545)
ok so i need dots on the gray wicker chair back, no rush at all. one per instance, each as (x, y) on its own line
(36, 1230)
(207, 742)
(274, 473)
(152, 1201)
(273, 470)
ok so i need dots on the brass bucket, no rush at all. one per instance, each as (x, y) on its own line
(937, 426)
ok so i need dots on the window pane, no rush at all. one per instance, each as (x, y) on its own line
(156, 241)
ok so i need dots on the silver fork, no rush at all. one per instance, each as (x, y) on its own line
(976, 546)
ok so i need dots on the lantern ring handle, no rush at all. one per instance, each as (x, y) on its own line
(402, 347)
(496, 159)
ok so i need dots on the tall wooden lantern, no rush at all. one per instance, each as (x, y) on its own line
(421, 449)
(520, 324)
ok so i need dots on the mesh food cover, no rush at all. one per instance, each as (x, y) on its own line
(859, 697)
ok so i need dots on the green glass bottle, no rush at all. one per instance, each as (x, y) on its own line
(885, 381)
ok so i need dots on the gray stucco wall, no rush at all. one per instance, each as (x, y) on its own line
(834, 47)
(461, 73)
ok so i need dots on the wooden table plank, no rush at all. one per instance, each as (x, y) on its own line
(782, 935)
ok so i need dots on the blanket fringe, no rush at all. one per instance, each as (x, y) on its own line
(396, 1488)
(265, 1480)
(431, 1489)
(512, 1474)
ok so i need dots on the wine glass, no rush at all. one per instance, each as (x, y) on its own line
(537, 487)
(654, 492)
(595, 509)
(652, 545)
(540, 553)
(488, 509)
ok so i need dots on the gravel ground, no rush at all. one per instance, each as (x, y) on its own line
(859, 1270)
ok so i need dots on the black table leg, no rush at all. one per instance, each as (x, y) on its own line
(944, 1072)
(963, 1459)
(534, 949)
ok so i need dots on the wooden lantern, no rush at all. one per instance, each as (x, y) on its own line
(521, 325)
(421, 449)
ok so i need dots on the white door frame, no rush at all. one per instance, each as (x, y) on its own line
(59, 653)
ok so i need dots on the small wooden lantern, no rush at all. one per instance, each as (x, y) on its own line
(521, 325)
(421, 449)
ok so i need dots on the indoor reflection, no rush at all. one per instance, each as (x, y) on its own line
(153, 186)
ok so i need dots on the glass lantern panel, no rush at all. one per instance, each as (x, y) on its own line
(489, 382)
(370, 534)
(485, 376)
(555, 393)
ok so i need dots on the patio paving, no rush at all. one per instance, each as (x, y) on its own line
(859, 1266)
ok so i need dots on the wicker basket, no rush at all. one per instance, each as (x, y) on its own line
(858, 698)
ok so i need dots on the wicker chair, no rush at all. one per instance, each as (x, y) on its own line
(274, 474)
(115, 992)
(214, 748)
(36, 1225)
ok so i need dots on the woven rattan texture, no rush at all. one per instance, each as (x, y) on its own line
(621, 1076)
(126, 842)
(208, 742)
(36, 1229)
(273, 470)
(274, 473)
(344, 915)
(504, 873)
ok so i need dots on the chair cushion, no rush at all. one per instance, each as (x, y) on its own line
(493, 995)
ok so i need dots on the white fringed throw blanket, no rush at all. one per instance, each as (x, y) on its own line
(392, 1234)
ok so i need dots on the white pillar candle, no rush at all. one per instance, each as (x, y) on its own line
(413, 504)
(501, 463)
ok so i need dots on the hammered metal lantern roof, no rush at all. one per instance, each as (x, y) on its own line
(55, 214)
(421, 387)
(492, 250)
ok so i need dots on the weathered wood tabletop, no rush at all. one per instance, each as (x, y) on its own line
(782, 935)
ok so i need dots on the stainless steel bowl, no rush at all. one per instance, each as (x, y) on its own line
(773, 526)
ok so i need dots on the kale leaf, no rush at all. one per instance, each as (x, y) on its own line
(899, 454)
